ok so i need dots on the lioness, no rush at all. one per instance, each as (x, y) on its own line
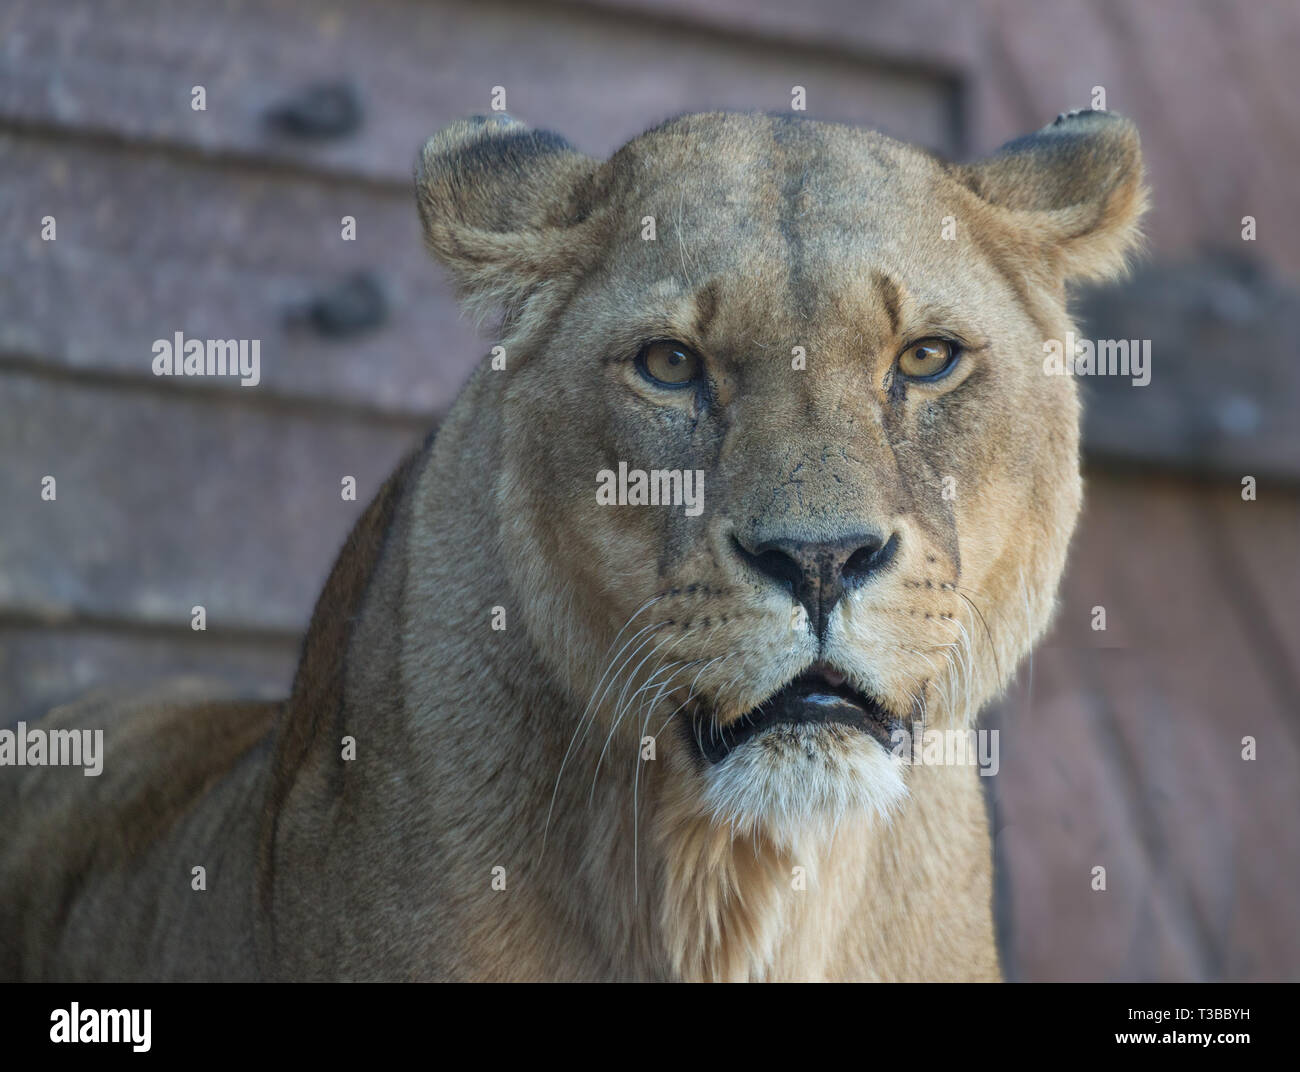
(539, 735)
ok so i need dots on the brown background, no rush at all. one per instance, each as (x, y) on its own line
(1120, 749)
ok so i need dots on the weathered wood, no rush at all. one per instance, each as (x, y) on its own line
(922, 34)
(1060, 816)
(149, 245)
(416, 66)
(166, 502)
(1129, 756)
(1257, 550)
(1224, 370)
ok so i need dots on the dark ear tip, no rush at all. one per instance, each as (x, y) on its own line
(458, 135)
(1107, 132)
(500, 119)
(455, 137)
(1082, 115)
(1083, 120)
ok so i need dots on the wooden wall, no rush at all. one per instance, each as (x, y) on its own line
(226, 223)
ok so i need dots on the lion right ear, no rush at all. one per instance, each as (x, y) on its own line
(1073, 192)
(499, 203)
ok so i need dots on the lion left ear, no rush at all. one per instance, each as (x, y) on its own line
(498, 201)
(1076, 189)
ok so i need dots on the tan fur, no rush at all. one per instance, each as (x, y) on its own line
(480, 748)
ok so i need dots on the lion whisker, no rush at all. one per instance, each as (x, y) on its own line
(987, 632)
(622, 710)
(573, 739)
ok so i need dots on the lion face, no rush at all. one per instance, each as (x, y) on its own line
(783, 474)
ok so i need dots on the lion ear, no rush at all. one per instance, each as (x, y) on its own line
(1076, 188)
(498, 202)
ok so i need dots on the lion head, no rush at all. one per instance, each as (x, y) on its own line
(783, 471)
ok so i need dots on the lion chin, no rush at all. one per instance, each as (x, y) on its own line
(801, 781)
(814, 753)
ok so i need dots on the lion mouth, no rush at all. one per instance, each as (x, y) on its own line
(819, 696)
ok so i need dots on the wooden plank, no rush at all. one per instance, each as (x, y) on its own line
(1258, 543)
(1252, 547)
(149, 245)
(165, 502)
(1060, 816)
(43, 667)
(600, 77)
(1217, 685)
(1131, 758)
(1224, 370)
(933, 33)
(1193, 106)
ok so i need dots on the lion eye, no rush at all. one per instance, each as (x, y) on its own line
(926, 359)
(669, 364)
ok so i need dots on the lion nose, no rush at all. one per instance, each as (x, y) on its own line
(818, 573)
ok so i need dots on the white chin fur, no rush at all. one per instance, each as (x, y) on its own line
(771, 784)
